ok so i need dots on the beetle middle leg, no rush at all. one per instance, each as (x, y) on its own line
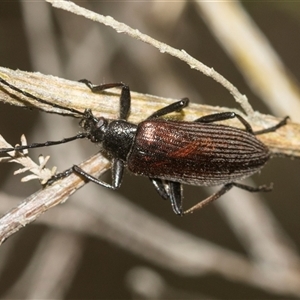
(176, 106)
(170, 190)
(160, 188)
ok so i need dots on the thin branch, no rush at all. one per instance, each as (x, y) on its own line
(68, 93)
(162, 47)
(36, 204)
(65, 93)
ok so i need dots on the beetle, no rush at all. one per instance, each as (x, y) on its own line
(169, 152)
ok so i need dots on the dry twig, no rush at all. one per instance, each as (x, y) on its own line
(72, 94)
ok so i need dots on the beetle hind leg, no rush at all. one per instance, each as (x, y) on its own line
(230, 115)
(273, 128)
(209, 199)
(225, 116)
(224, 190)
(261, 188)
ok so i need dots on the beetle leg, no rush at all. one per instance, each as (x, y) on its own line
(160, 188)
(225, 116)
(170, 190)
(261, 188)
(273, 128)
(117, 175)
(101, 87)
(230, 115)
(90, 177)
(175, 194)
(125, 98)
(58, 176)
(225, 188)
(176, 106)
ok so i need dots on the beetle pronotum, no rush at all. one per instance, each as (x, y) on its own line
(170, 153)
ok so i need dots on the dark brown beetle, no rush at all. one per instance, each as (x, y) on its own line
(170, 153)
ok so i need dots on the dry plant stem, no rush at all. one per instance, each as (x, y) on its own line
(72, 94)
(65, 93)
(76, 95)
(163, 48)
(36, 204)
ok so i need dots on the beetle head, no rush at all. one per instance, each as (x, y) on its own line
(94, 127)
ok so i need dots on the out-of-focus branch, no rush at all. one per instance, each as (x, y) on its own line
(250, 49)
(95, 218)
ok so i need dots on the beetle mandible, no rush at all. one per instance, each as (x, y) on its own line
(170, 153)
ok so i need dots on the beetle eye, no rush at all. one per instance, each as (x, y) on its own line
(100, 122)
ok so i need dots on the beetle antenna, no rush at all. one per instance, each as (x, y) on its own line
(46, 144)
(75, 111)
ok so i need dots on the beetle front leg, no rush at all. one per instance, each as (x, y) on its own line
(117, 175)
(125, 98)
(59, 176)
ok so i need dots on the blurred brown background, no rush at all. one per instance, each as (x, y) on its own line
(43, 261)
